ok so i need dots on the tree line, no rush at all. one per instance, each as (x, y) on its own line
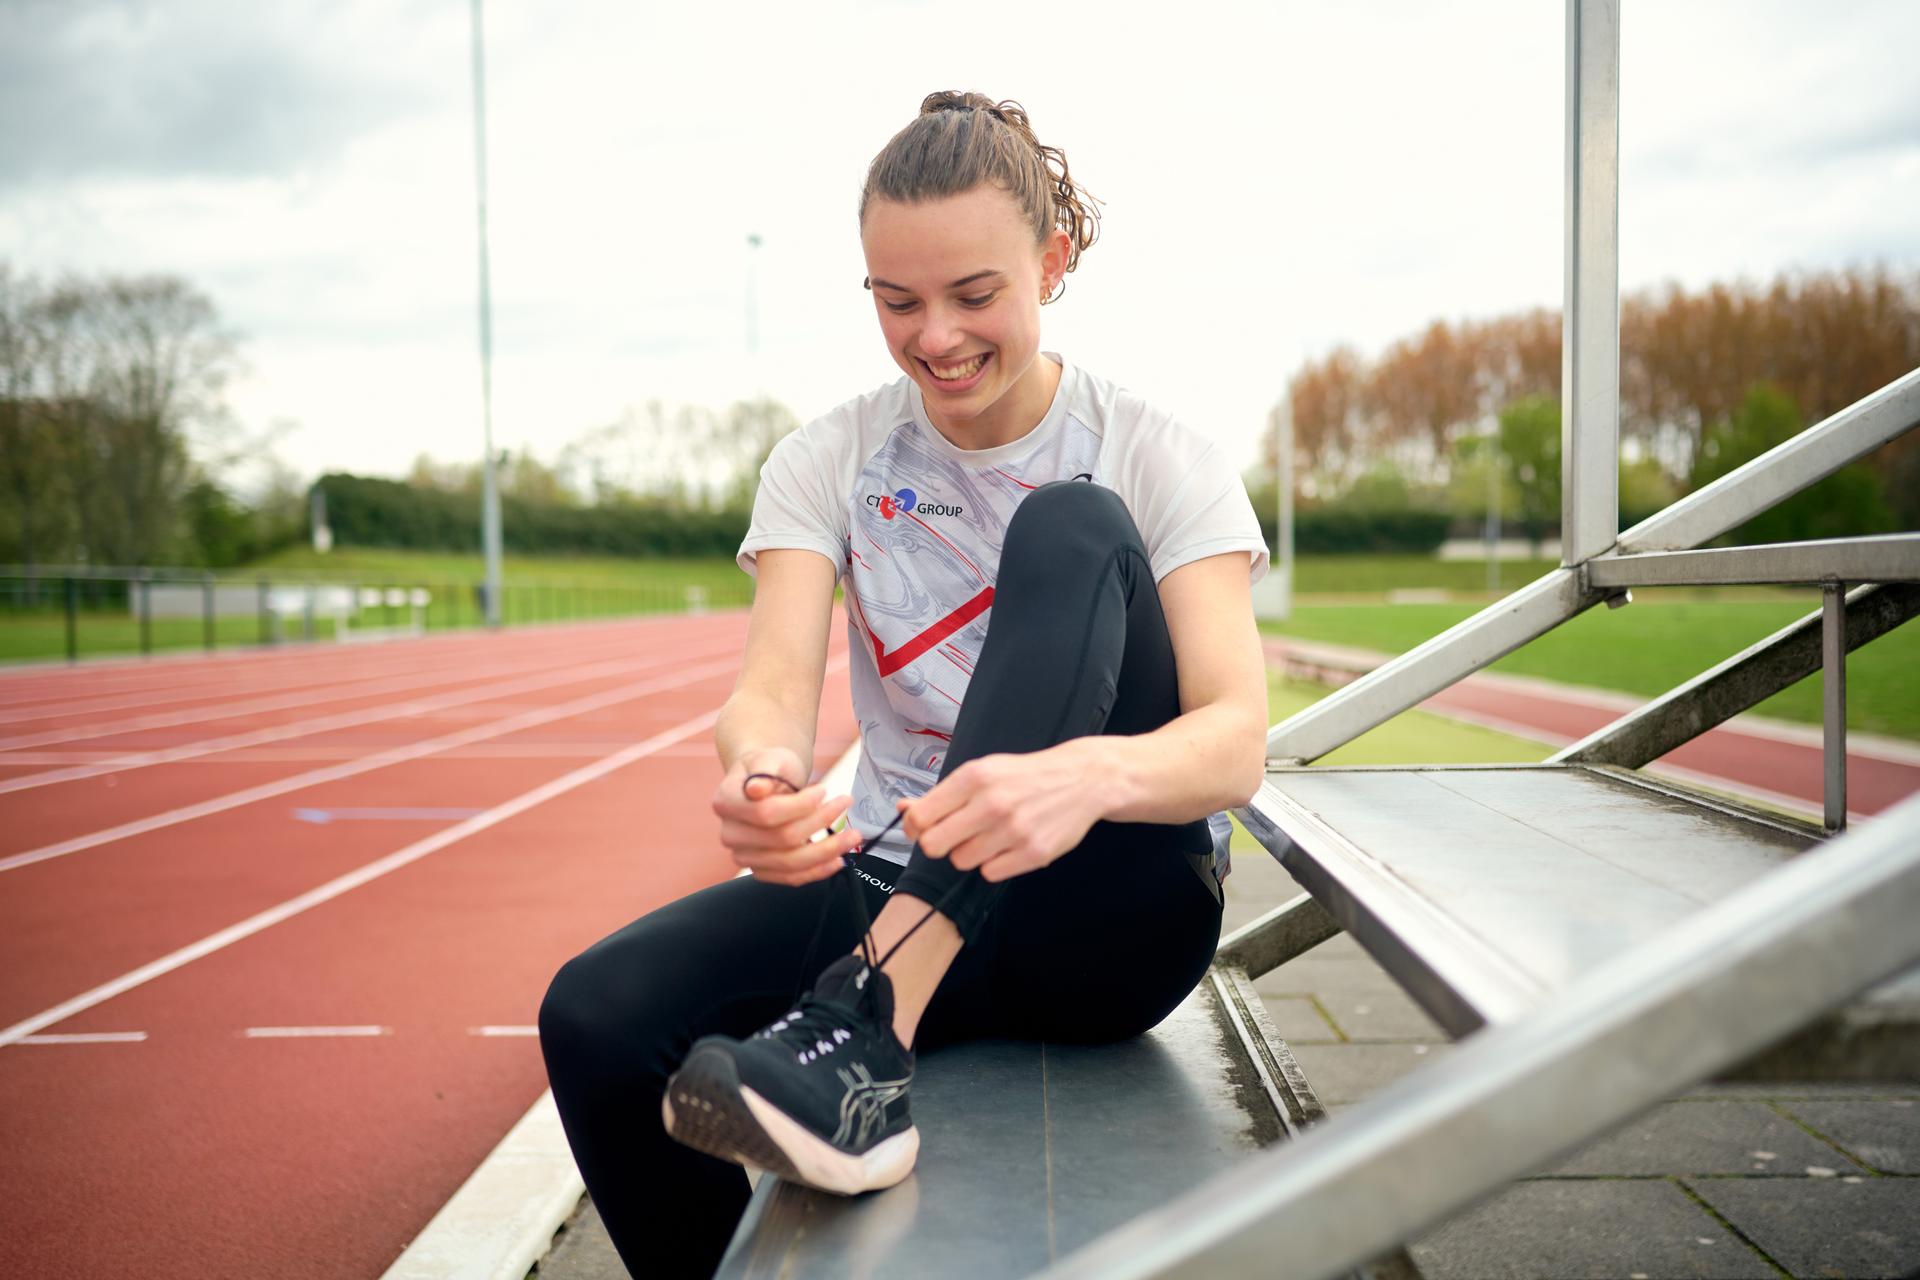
(1708, 378)
(113, 427)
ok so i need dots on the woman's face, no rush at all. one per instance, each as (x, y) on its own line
(957, 284)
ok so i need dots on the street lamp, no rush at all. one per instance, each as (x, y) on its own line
(490, 482)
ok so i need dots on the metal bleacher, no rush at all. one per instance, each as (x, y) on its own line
(1601, 939)
(1597, 938)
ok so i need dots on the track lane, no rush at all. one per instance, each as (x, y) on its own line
(78, 799)
(149, 894)
(347, 1146)
(86, 727)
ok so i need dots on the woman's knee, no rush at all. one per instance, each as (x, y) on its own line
(1067, 530)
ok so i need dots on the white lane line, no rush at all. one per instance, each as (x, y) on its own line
(313, 1033)
(86, 1037)
(324, 724)
(333, 773)
(185, 692)
(354, 879)
(424, 677)
(503, 1031)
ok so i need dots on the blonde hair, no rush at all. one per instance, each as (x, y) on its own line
(960, 140)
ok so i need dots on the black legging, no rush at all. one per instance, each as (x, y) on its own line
(1100, 945)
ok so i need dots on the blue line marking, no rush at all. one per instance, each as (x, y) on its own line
(321, 817)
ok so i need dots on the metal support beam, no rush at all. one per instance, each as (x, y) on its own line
(1289, 930)
(1833, 678)
(1590, 342)
(1743, 681)
(1698, 999)
(1893, 557)
(1781, 471)
(1419, 673)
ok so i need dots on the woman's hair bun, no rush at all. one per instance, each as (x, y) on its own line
(949, 149)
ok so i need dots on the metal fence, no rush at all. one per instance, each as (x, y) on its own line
(73, 612)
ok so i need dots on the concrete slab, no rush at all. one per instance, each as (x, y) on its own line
(1380, 1015)
(1581, 1230)
(1299, 1021)
(1725, 1137)
(1824, 1227)
(1883, 1134)
(1352, 1072)
(582, 1251)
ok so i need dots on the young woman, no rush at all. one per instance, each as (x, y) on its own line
(1059, 689)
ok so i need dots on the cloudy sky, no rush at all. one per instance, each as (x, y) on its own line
(1279, 177)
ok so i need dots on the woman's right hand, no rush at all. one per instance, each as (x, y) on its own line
(767, 826)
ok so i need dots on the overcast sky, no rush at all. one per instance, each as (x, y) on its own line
(1279, 177)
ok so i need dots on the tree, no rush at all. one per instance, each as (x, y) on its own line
(1530, 456)
(1849, 502)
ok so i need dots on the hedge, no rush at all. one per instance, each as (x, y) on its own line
(367, 512)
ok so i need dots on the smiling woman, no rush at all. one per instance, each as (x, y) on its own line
(1059, 688)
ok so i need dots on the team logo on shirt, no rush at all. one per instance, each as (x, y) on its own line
(907, 501)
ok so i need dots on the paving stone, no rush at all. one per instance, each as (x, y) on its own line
(1299, 1022)
(1883, 1134)
(1730, 1137)
(1587, 1230)
(582, 1250)
(1814, 1089)
(1825, 1227)
(1352, 1072)
(1380, 1015)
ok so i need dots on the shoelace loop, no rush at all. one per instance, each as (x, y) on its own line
(851, 878)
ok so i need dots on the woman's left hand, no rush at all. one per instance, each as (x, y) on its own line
(1009, 814)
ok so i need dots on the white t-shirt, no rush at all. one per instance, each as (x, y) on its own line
(914, 526)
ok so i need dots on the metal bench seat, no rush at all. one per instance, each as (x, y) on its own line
(1031, 1150)
(1486, 890)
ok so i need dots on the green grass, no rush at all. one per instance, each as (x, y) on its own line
(1412, 738)
(1646, 648)
(1378, 574)
(537, 589)
(370, 564)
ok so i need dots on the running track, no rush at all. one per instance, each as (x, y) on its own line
(274, 925)
(1777, 764)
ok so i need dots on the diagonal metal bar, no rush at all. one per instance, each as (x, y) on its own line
(1289, 930)
(1782, 471)
(1741, 682)
(1704, 996)
(1421, 672)
(1891, 557)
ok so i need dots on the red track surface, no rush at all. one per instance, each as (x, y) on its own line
(202, 1151)
(1781, 764)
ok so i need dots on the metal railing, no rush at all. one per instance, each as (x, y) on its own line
(73, 611)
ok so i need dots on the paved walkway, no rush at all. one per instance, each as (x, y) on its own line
(1726, 1181)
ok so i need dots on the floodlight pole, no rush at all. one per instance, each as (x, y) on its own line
(1273, 594)
(490, 482)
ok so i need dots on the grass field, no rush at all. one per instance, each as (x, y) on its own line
(1662, 638)
(1413, 738)
(537, 589)
(370, 564)
(1375, 575)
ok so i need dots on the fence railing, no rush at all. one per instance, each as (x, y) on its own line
(73, 612)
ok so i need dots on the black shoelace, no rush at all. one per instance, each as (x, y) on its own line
(850, 874)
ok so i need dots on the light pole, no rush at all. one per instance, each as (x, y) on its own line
(1273, 594)
(490, 482)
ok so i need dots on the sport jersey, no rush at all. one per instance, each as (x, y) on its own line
(914, 525)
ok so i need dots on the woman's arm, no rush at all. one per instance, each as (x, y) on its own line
(1009, 814)
(768, 723)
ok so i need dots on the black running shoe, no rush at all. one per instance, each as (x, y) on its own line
(818, 1097)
